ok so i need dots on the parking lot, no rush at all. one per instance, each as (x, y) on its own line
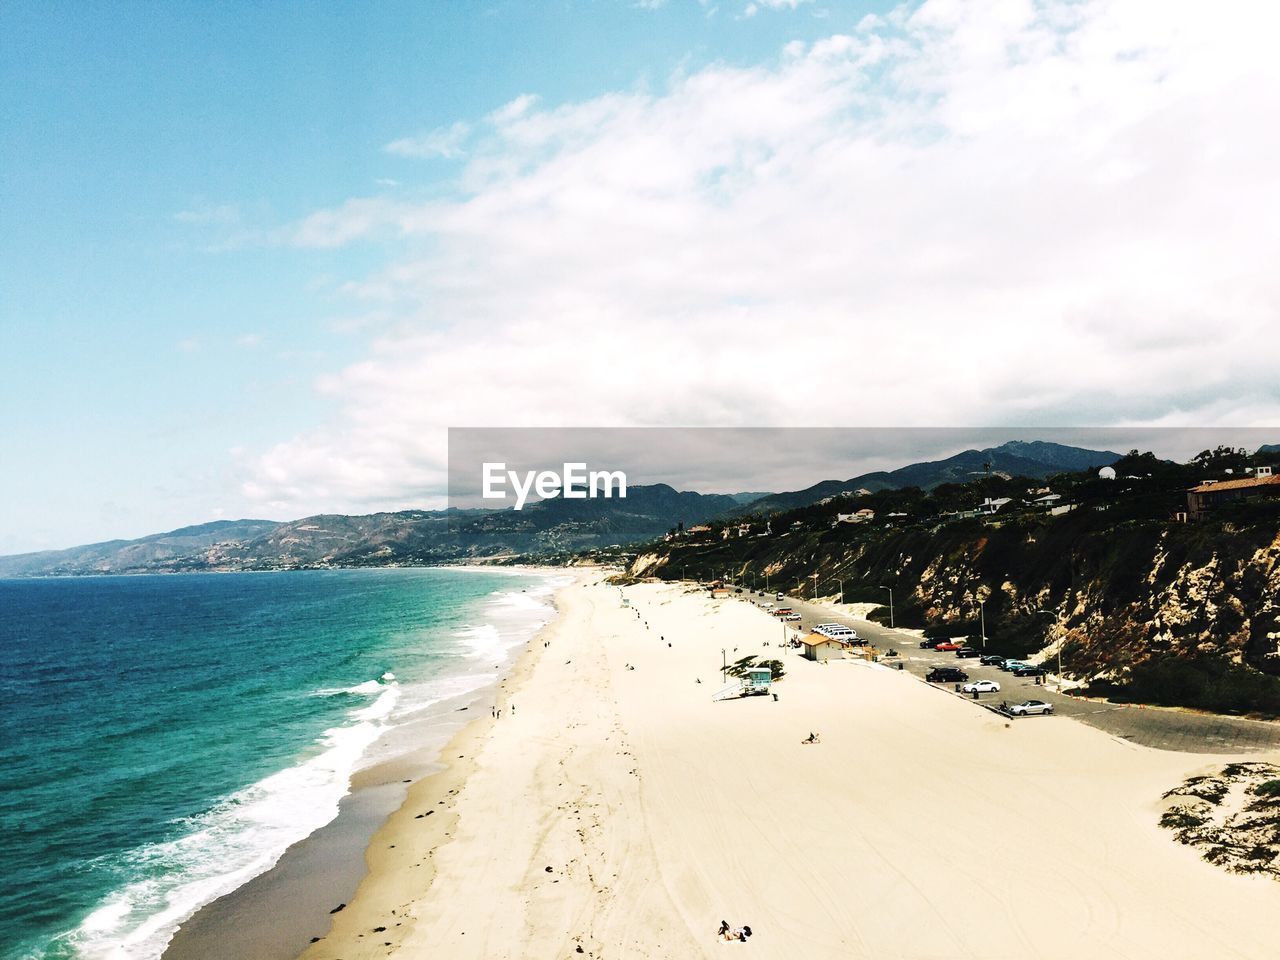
(1160, 727)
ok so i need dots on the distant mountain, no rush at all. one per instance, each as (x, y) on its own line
(382, 539)
(546, 527)
(154, 550)
(1034, 459)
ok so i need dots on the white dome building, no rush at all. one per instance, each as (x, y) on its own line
(1107, 473)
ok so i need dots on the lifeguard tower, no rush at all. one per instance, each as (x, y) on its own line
(753, 681)
(757, 680)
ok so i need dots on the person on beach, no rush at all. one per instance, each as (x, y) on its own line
(812, 738)
(724, 928)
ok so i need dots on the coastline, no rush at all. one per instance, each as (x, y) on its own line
(276, 914)
(409, 837)
(622, 812)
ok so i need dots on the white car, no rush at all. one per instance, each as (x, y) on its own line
(981, 686)
(791, 617)
(1030, 708)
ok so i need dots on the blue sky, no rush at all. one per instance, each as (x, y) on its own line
(135, 357)
(227, 291)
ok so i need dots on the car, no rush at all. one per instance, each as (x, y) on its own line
(991, 659)
(1030, 671)
(837, 631)
(1030, 708)
(927, 644)
(946, 675)
(967, 653)
(1011, 665)
(791, 617)
(981, 686)
(947, 645)
(780, 596)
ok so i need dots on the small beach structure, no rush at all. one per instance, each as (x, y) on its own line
(753, 681)
(817, 647)
(757, 680)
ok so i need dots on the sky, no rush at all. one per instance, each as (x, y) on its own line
(257, 258)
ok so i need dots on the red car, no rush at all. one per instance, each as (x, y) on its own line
(948, 646)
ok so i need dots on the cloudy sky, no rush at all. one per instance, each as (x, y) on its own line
(257, 258)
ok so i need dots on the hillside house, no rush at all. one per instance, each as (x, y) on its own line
(858, 516)
(1046, 502)
(1202, 499)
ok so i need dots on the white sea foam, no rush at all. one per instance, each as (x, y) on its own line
(367, 688)
(239, 838)
(246, 833)
(482, 640)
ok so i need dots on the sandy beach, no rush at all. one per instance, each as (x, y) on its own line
(614, 810)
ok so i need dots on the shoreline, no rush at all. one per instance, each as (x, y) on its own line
(624, 812)
(278, 913)
(431, 799)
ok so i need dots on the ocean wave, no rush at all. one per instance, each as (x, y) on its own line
(240, 837)
(367, 688)
(482, 640)
(442, 690)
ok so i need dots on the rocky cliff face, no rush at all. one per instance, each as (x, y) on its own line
(1112, 595)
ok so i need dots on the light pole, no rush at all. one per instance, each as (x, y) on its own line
(1050, 613)
(890, 589)
(982, 612)
(840, 580)
(724, 664)
(814, 578)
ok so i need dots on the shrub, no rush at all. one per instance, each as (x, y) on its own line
(1181, 819)
(1204, 683)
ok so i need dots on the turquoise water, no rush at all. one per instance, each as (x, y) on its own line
(164, 739)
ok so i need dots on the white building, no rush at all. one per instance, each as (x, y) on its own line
(818, 647)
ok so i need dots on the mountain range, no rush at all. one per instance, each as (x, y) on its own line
(553, 526)
(1035, 459)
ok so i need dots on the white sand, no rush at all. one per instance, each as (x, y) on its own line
(921, 826)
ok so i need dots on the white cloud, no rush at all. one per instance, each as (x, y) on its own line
(446, 142)
(1009, 212)
(756, 6)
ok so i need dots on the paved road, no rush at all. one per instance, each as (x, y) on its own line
(1163, 728)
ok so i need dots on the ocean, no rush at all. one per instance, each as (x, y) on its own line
(163, 739)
